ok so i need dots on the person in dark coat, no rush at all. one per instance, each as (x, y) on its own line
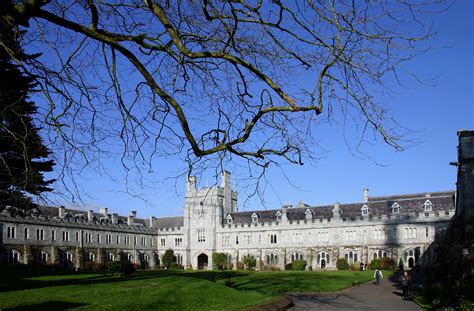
(405, 283)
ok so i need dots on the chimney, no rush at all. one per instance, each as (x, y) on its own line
(131, 217)
(336, 211)
(366, 195)
(152, 221)
(284, 212)
(90, 215)
(104, 211)
(62, 211)
(115, 218)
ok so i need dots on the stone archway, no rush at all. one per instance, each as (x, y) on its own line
(202, 261)
(323, 263)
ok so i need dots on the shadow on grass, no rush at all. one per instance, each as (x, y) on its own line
(49, 305)
(20, 277)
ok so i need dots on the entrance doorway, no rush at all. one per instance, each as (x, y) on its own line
(323, 263)
(411, 262)
(202, 261)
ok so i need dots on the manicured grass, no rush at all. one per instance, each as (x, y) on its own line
(23, 289)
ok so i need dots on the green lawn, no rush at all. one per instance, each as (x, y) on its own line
(22, 289)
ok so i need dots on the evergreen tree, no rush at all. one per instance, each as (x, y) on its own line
(23, 157)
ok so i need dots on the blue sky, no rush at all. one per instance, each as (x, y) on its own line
(436, 112)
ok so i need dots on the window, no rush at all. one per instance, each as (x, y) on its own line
(410, 233)
(118, 239)
(44, 257)
(201, 235)
(110, 257)
(163, 242)
(77, 236)
(428, 206)
(229, 219)
(395, 208)
(143, 241)
(178, 241)
(236, 239)
(427, 232)
(179, 259)
(365, 210)
(127, 240)
(65, 236)
(254, 217)
(91, 257)
(350, 235)
(272, 259)
(225, 240)
(351, 257)
(27, 234)
(53, 235)
(297, 237)
(98, 238)
(273, 238)
(296, 256)
(322, 259)
(39, 234)
(278, 216)
(151, 241)
(108, 239)
(248, 239)
(11, 232)
(379, 234)
(323, 237)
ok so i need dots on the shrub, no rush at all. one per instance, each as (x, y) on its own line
(93, 266)
(168, 258)
(123, 267)
(219, 261)
(250, 263)
(289, 266)
(299, 264)
(375, 264)
(342, 264)
(176, 266)
(386, 263)
(240, 266)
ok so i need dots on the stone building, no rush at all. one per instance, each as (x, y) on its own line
(400, 226)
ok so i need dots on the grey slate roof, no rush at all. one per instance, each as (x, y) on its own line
(378, 206)
(169, 222)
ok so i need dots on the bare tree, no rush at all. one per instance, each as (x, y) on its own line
(214, 82)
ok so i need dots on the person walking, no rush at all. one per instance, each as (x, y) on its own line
(405, 283)
(377, 275)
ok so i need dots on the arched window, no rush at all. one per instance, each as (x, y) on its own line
(395, 208)
(272, 259)
(254, 217)
(365, 210)
(351, 257)
(278, 216)
(296, 256)
(91, 257)
(44, 257)
(428, 206)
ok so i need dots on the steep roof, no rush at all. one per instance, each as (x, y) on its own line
(378, 206)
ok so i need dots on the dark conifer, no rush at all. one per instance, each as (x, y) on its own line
(23, 156)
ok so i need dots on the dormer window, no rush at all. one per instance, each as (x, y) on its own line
(254, 217)
(365, 210)
(395, 208)
(229, 219)
(278, 216)
(428, 206)
(309, 214)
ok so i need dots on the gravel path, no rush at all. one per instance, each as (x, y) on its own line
(367, 296)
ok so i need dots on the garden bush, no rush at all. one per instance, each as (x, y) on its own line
(123, 267)
(342, 264)
(250, 263)
(386, 263)
(375, 264)
(176, 266)
(219, 261)
(289, 266)
(168, 258)
(298, 265)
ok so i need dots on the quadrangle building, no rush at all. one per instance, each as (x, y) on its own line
(400, 226)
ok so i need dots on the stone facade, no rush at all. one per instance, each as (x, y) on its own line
(402, 226)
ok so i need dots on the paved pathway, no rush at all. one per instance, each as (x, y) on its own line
(367, 296)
